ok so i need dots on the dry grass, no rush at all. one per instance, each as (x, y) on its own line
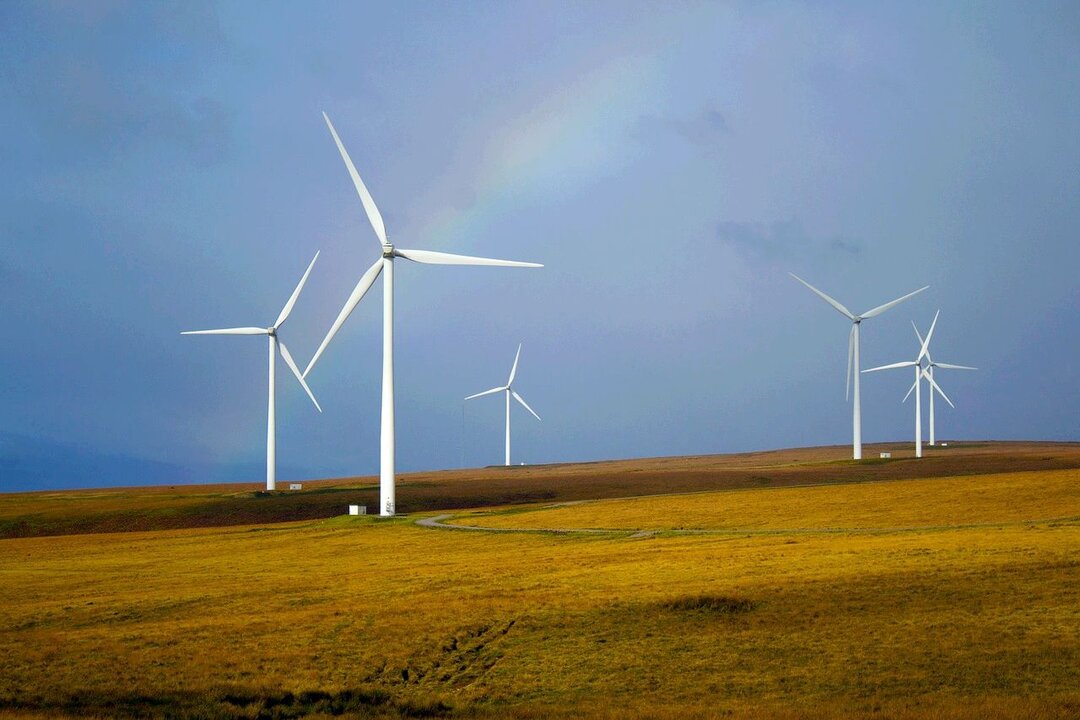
(935, 502)
(163, 508)
(385, 619)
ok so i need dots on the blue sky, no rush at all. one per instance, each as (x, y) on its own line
(166, 167)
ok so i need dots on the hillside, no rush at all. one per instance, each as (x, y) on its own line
(188, 506)
(951, 597)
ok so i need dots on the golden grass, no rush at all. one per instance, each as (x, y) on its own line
(170, 508)
(936, 502)
(385, 618)
(79, 503)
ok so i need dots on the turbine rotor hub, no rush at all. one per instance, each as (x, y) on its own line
(271, 331)
(388, 250)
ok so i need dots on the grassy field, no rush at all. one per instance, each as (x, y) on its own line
(916, 504)
(955, 596)
(192, 506)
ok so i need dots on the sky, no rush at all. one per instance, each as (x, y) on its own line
(165, 167)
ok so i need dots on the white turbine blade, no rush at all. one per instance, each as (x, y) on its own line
(296, 293)
(910, 390)
(361, 189)
(486, 392)
(919, 335)
(840, 308)
(358, 292)
(296, 371)
(525, 404)
(850, 354)
(513, 370)
(947, 366)
(229, 331)
(907, 363)
(926, 342)
(882, 308)
(937, 387)
(440, 258)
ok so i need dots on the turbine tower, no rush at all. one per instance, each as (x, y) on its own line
(385, 264)
(853, 354)
(930, 365)
(920, 372)
(509, 390)
(276, 346)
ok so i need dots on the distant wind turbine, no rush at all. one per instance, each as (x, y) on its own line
(929, 372)
(920, 372)
(386, 264)
(509, 390)
(276, 346)
(853, 355)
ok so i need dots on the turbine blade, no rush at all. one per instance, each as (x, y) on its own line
(296, 371)
(525, 405)
(296, 293)
(486, 392)
(947, 366)
(850, 355)
(926, 342)
(440, 258)
(513, 370)
(917, 333)
(354, 299)
(229, 331)
(906, 363)
(882, 308)
(840, 308)
(937, 387)
(365, 197)
(910, 390)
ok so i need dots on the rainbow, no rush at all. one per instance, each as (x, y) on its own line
(561, 142)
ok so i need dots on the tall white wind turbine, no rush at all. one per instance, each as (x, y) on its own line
(385, 264)
(929, 372)
(853, 355)
(509, 390)
(920, 373)
(276, 346)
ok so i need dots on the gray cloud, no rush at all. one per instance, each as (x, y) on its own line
(705, 129)
(84, 79)
(788, 239)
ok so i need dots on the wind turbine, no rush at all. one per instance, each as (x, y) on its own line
(920, 372)
(929, 373)
(276, 346)
(509, 390)
(385, 264)
(853, 354)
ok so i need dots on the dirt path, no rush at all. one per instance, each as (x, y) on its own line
(438, 523)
